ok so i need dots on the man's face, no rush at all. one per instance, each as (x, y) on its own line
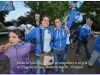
(15, 23)
(90, 24)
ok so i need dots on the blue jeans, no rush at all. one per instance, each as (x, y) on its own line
(58, 57)
(86, 46)
(66, 52)
(39, 69)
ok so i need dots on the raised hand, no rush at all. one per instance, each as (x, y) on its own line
(72, 5)
(8, 45)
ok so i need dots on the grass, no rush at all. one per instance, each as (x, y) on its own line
(3, 30)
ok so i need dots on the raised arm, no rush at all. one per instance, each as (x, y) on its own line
(3, 26)
(72, 16)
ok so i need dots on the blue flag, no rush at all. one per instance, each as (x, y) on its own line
(6, 6)
(78, 4)
(78, 17)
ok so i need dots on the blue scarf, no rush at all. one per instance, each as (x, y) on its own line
(21, 43)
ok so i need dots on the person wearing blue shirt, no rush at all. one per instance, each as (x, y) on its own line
(46, 39)
(59, 38)
(84, 36)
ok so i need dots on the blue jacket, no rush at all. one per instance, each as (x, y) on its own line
(97, 44)
(85, 32)
(59, 38)
(60, 35)
(35, 34)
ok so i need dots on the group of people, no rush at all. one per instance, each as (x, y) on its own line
(55, 39)
(28, 26)
(82, 35)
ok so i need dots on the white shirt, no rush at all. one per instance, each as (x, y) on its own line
(13, 27)
(27, 28)
(47, 39)
(67, 39)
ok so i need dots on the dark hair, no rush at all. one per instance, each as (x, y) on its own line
(28, 22)
(20, 33)
(55, 19)
(45, 16)
(14, 21)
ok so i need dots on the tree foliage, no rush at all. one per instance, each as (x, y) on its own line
(61, 9)
(91, 10)
(54, 9)
(2, 16)
(8, 23)
(21, 19)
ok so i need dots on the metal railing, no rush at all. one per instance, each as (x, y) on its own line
(1, 33)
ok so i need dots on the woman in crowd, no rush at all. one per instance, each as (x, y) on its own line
(48, 34)
(59, 38)
(46, 39)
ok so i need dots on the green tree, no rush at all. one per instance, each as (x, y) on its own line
(91, 10)
(8, 23)
(21, 19)
(61, 9)
(2, 16)
(54, 9)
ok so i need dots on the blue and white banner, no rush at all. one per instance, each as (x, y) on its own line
(78, 17)
(6, 6)
(78, 4)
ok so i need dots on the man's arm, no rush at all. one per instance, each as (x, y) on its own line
(3, 26)
(72, 16)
